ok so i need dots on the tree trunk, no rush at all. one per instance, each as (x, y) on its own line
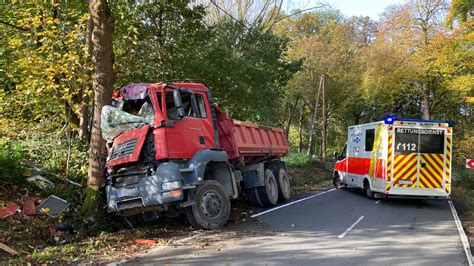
(313, 119)
(426, 101)
(290, 117)
(324, 122)
(300, 129)
(102, 59)
(84, 116)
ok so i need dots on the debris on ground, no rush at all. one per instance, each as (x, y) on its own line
(53, 206)
(62, 227)
(40, 181)
(29, 206)
(145, 241)
(9, 210)
(8, 249)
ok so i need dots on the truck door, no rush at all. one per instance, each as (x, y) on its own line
(418, 158)
(188, 134)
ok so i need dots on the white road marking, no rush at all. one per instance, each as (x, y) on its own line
(377, 202)
(341, 236)
(462, 234)
(291, 203)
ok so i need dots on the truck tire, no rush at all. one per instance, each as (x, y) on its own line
(268, 193)
(252, 196)
(283, 181)
(212, 207)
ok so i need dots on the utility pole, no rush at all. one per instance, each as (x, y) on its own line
(324, 122)
(313, 119)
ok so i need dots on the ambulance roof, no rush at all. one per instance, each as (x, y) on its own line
(409, 121)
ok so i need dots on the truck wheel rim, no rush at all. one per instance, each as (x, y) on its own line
(211, 204)
(285, 184)
(272, 186)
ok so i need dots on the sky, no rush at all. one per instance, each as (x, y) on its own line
(371, 8)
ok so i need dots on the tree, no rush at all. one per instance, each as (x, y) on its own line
(103, 56)
(460, 10)
(44, 64)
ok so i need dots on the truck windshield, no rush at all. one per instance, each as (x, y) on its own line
(127, 115)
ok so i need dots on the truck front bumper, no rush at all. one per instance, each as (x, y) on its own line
(163, 187)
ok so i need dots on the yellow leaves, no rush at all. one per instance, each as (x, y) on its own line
(464, 83)
(15, 43)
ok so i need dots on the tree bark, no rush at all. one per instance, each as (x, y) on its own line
(102, 59)
(84, 115)
(290, 117)
(313, 119)
(426, 101)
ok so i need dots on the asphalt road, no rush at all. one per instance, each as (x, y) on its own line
(340, 227)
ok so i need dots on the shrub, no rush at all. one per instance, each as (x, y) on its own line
(299, 160)
(11, 156)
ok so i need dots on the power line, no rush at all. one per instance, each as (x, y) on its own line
(230, 15)
(285, 17)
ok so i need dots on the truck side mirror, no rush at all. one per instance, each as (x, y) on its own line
(177, 103)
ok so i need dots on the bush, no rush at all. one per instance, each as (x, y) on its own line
(11, 155)
(299, 160)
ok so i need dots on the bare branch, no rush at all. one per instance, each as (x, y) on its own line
(13, 26)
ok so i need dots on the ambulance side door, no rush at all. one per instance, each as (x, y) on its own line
(354, 153)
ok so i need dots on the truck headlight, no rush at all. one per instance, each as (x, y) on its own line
(170, 186)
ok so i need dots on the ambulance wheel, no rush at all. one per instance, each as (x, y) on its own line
(268, 193)
(337, 182)
(368, 192)
(212, 207)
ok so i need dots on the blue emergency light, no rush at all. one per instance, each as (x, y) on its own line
(389, 119)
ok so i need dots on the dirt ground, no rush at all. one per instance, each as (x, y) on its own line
(37, 240)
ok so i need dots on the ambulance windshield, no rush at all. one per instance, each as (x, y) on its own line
(415, 140)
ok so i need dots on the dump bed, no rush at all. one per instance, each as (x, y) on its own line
(249, 142)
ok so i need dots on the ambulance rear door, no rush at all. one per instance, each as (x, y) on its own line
(419, 160)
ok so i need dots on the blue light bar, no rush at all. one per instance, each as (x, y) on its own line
(390, 119)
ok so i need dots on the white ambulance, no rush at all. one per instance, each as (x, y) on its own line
(397, 157)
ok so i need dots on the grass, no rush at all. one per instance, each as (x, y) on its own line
(306, 173)
(463, 195)
(299, 160)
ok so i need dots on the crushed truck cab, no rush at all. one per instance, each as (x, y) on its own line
(397, 157)
(172, 151)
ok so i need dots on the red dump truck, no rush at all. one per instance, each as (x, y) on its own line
(171, 151)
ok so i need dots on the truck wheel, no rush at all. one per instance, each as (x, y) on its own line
(268, 194)
(283, 182)
(212, 207)
(368, 192)
(252, 196)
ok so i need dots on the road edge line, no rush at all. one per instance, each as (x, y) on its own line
(462, 234)
(341, 236)
(291, 203)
